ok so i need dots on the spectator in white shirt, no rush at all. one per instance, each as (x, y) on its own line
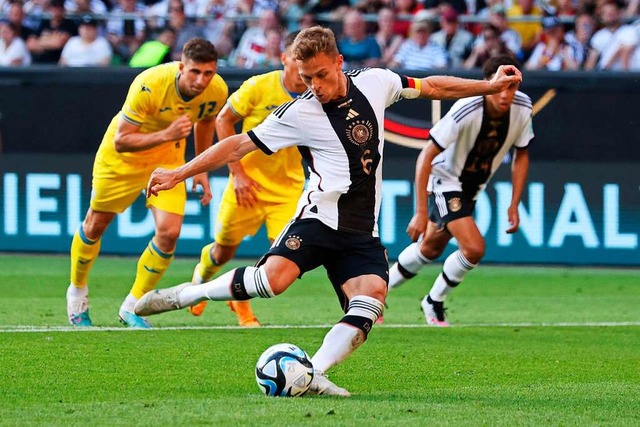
(88, 49)
(452, 38)
(418, 52)
(13, 50)
(555, 52)
(126, 35)
(612, 47)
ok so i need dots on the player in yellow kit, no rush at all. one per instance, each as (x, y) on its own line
(162, 105)
(262, 189)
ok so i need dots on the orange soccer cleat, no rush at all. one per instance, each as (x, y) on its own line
(243, 310)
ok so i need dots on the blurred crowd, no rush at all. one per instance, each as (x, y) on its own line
(418, 35)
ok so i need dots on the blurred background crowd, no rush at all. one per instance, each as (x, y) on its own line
(418, 35)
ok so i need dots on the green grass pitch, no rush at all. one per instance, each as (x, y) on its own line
(530, 346)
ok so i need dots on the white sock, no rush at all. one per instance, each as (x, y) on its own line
(73, 292)
(344, 338)
(455, 267)
(254, 280)
(411, 261)
(128, 303)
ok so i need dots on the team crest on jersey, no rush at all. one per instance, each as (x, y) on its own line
(360, 132)
(145, 88)
(455, 204)
(293, 242)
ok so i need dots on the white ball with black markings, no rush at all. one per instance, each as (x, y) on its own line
(284, 370)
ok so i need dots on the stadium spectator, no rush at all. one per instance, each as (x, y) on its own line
(15, 15)
(335, 7)
(272, 51)
(307, 20)
(387, 39)
(252, 45)
(336, 223)
(357, 47)
(511, 38)
(35, 11)
(126, 34)
(155, 52)
(218, 29)
(256, 7)
(407, 10)
(555, 52)
(46, 46)
(85, 7)
(261, 189)
(488, 45)
(464, 151)
(418, 52)
(437, 6)
(13, 50)
(564, 8)
(583, 28)
(530, 32)
(184, 28)
(163, 105)
(87, 49)
(291, 12)
(455, 40)
(613, 46)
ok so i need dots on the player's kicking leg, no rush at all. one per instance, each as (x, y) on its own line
(212, 258)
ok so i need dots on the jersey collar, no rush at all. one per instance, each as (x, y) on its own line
(180, 95)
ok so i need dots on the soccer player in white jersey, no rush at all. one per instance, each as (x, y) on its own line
(338, 126)
(465, 149)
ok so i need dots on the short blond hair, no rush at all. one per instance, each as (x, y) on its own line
(312, 41)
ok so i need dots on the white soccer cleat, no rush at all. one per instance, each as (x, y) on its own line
(159, 301)
(321, 385)
(78, 310)
(434, 312)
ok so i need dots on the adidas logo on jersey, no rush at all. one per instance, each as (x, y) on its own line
(352, 114)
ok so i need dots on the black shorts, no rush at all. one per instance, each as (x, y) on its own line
(449, 205)
(309, 243)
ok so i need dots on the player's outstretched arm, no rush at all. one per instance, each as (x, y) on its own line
(230, 149)
(448, 87)
(129, 138)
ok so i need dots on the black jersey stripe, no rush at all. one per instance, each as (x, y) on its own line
(463, 110)
(468, 111)
(527, 106)
(259, 143)
(354, 73)
(279, 112)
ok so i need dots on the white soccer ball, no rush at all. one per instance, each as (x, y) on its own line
(284, 370)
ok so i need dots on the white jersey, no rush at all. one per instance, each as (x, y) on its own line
(474, 145)
(343, 142)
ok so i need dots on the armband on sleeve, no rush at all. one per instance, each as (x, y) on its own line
(410, 87)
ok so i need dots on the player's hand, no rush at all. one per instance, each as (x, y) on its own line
(514, 219)
(202, 180)
(161, 179)
(178, 129)
(417, 226)
(505, 77)
(245, 188)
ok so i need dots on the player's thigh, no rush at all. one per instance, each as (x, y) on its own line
(116, 184)
(434, 241)
(235, 222)
(281, 273)
(469, 238)
(277, 216)
(168, 225)
(361, 261)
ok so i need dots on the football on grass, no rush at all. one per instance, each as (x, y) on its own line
(284, 370)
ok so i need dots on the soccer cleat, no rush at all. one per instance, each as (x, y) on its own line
(245, 314)
(320, 384)
(434, 312)
(133, 321)
(78, 311)
(159, 301)
(196, 279)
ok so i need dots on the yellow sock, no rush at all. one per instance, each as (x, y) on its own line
(207, 267)
(151, 266)
(84, 253)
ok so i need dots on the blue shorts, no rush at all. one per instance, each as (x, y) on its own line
(309, 243)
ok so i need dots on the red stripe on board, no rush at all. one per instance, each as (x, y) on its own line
(405, 130)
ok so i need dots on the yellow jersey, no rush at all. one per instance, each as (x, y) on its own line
(153, 102)
(280, 175)
(527, 30)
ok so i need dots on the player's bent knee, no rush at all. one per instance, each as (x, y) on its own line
(474, 253)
